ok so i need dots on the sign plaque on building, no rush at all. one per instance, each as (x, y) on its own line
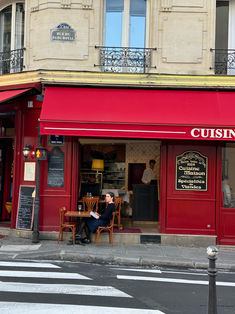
(63, 33)
(56, 140)
(191, 171)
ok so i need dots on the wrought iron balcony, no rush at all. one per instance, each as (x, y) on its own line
(125, 59)
(11, 61)
(224, 61)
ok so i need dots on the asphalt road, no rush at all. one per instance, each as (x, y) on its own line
(65, 287)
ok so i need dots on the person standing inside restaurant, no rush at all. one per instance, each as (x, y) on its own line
(226, 189)
(148, 174)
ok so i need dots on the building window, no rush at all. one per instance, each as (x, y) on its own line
(125, 23)
(225, 37)
(124, 37)
(228, 175)
(12, 38)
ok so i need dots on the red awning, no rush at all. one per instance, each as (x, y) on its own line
(10, 94)
(136, 113)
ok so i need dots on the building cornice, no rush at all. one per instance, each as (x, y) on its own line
(72, 78)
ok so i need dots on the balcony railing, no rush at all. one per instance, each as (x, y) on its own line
(125, 59)
(224, 61)
(11, 61)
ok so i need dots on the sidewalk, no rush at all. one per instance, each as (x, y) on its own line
(136, 254)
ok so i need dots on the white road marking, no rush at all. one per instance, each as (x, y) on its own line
(173, 280)
(183, 273)
(106, 291)
(37, 308)
(21, 248)
(26, 264)
(33, 274)
(225, 284)
(156, 271)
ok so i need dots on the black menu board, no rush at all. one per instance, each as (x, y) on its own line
(191, 171)
(55, 176)
(25, 207)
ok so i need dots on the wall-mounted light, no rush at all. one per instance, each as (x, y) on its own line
(26, 151)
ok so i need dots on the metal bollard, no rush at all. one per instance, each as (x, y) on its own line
(212, 299)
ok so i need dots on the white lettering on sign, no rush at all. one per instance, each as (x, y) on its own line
(213, 133)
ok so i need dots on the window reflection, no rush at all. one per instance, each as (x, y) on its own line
(228, 176)
(113, 29)
(19, 28)
(137, 23)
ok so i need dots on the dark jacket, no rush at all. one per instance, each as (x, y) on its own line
(104, 219)
(108, 213)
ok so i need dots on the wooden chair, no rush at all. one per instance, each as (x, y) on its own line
(90, 203)
(108, 228)
(64, 225)
(118, 206)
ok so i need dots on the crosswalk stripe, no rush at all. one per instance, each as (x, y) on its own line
(106, 291)
(33, 274)
(173, 280)
(36, 308)
(26, 264)
(158, 271)
(20, 248)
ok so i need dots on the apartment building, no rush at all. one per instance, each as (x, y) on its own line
(125, 82)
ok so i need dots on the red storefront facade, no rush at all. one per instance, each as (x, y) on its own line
(192, 126)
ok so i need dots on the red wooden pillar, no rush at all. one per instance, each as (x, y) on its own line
(163, 173)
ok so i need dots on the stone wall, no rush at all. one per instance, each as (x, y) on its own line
(182, 31)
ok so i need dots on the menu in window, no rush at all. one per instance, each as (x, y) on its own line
(191, 171)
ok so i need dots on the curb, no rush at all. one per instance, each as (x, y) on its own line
(117, 260)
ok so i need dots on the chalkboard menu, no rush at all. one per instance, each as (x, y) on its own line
(55, 176)
(191, 171)
(25, 208)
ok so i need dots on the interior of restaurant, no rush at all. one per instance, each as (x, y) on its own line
(111, 165)
(7, 133)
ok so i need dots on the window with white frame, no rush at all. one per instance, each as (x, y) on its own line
(225, 37)
(12, 37)
(125, 37)
(125, 23)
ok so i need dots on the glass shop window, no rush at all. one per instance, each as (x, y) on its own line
(228, 175)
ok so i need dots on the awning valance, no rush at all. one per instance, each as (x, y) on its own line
(10, 94)
(138, 113)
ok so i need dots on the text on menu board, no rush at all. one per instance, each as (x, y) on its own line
(55, 177)
(25, 207)
(191, 171)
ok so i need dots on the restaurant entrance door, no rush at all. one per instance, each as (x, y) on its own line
(190, 188)
(226, 234)
(6, 160)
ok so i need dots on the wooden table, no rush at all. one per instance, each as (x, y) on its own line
(77, 214)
